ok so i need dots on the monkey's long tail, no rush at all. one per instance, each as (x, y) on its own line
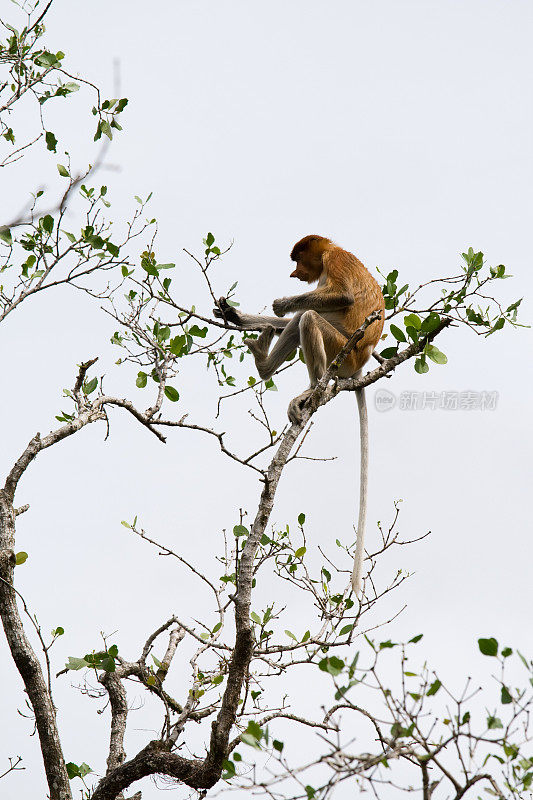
(363, 491)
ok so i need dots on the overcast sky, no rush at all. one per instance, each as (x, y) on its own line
(403, 131)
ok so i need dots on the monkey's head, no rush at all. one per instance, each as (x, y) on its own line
(308, 254)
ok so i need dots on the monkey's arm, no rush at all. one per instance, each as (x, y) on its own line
(317, 300)
(248, 322)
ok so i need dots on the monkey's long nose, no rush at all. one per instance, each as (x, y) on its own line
(293, 274)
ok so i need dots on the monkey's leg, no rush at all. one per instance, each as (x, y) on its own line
(320, 343)
(267, 363)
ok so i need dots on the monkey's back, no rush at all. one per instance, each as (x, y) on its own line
(345, 271)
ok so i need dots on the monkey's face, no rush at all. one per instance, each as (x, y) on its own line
(307, 271)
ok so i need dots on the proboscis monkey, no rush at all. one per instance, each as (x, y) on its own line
(323, 320)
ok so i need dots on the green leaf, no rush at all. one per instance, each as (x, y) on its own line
(172, 393)
(397, 333)
(506, 652)
(47, 223)
(332, 665)
(240, 530)
(108, 664)
(300, 552)
(345, 630)
(196, 331)
(421, 366)
(255, 617)
(72, 770)
(505, 696)
(413, 320)
(523, 660)
(229, 770)
(142, 379)
(150, 268)
(416, 638)
(63, 171)
(20, 558)
(389, 352)
(291, 635)
(435, 354)
(494, 722)
(177, 344)
(59, 631)
(90, 386)
(277, 745)
(497, 326)
(209, 239)
(434, 688)
(510, 750)
(45, 59)
(301, 519)
(250, 740)
(76, 663)
(51, 141)
(430, 323)
(513, 306)
(255, 730)
(105, 127)
(5, 236)
(489, 647)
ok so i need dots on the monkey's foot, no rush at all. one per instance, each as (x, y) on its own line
(260, 346)
(296, 406)
(226, 312)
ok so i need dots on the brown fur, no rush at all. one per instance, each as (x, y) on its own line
(343, 278)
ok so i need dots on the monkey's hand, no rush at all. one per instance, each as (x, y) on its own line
(226, 312)
(281, 306)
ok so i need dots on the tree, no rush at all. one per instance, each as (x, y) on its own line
(234, 688)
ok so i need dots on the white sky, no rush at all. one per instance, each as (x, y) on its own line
(403, 131)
